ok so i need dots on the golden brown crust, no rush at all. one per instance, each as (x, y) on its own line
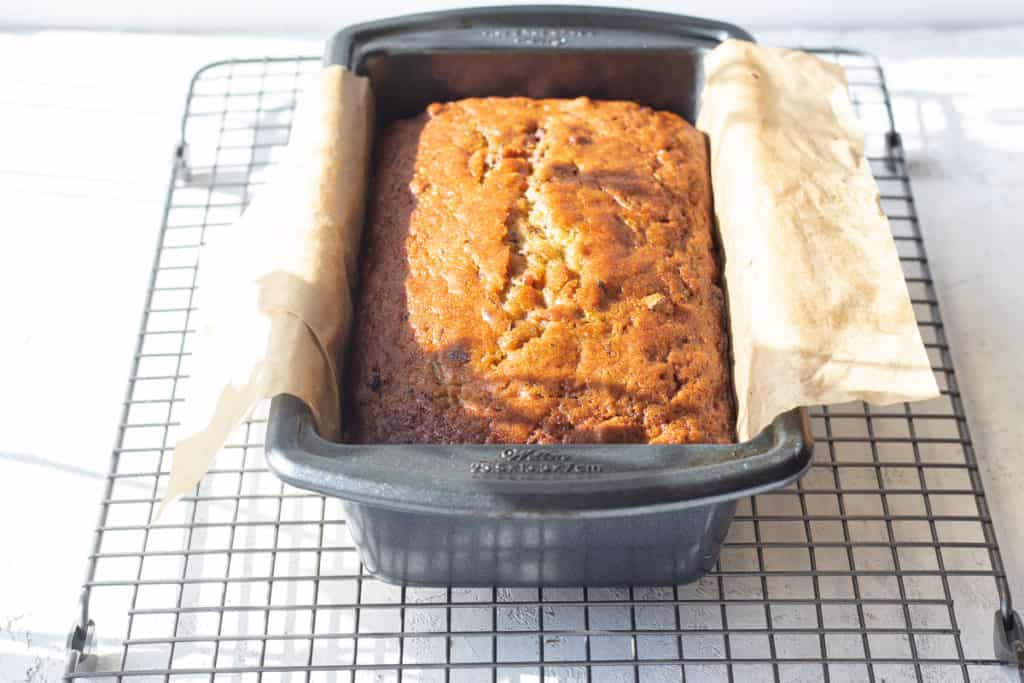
(541, 271)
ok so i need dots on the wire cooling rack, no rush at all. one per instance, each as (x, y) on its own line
(880, 565)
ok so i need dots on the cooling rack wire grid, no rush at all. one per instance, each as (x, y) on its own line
(880, 565)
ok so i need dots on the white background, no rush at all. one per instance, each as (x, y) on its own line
(320, 17)
(88, 123)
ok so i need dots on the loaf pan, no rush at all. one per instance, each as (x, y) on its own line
(515, 515)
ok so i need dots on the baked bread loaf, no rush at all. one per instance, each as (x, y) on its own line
(540, 271)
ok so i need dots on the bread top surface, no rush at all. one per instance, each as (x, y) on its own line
(540, 271)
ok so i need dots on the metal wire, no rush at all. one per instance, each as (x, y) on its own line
(881, 564)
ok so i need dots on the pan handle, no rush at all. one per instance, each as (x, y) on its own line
(526, 28)
(584, 27)
(510, 479)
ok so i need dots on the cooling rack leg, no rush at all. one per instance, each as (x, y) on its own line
(79, 644)
(1009, 638)
(181, 161)
(893, 147)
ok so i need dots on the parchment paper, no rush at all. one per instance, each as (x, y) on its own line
(274, 295)
(818, 305)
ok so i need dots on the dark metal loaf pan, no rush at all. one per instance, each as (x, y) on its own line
(584, 515)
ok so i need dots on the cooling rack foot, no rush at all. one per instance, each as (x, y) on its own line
(80, 641)
(1009, 635)
(181, 161)
(894, 150)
